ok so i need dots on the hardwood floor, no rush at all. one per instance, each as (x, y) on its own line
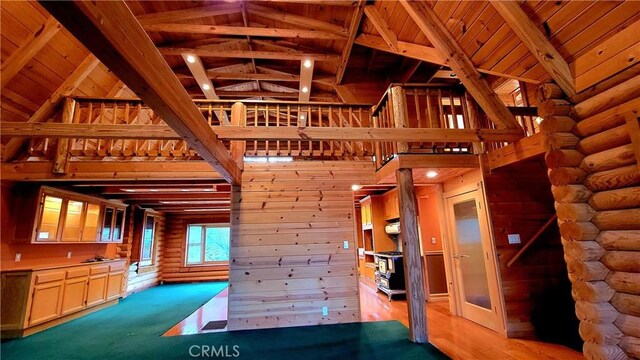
(214, 309)
(457, 337)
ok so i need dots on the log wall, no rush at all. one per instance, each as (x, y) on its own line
(537, 294)
(145, 277)
(596, 181)
(173, 265)
(289, 221)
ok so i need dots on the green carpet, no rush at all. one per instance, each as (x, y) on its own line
(133, 330)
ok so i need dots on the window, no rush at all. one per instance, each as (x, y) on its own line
(148, 235)
(207, 243)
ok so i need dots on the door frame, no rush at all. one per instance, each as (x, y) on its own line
(493, 271)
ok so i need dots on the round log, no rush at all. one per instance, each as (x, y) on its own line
(605, 140)
(614, 179)
(624, 282)
(602, 333)
(628, 324)
(627, 261)
(555, 141)
(586, 270)
(571, 193)
(625, 198)
(550, 91)
(574, 212)
(591, 291)
(557, 124)
(582, 250)
(609, 159)
(627, 219)
(566, 176)
(604, 120)
(554, 107)
(616, 95)
(563, 158)
(579, 231)
(602, 312)
(620, 240)
(630, 345)
(593, 351)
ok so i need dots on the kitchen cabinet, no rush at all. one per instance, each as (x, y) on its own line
(50, 216)
(391, 206)
(365, 208)
(33, 298)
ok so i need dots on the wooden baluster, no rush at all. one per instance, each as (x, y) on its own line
(288, 126)
(320, 125)
(99, 149)
(310, 117)
(278, 125)
(210, 114)
(61, 156)
(376, 145)
(266, 123)
(300, 124)
(255, 124)
(331, 143)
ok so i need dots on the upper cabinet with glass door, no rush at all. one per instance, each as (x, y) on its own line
(60, 216)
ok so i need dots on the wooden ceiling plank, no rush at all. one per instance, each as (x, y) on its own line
(382, 26)
(424, 53)
(429, 23)
(250, 133)
(244, 54)
(13, 146)
(245, 31)
(190, 13)
(537, 43)
(113, 34)
(358, 13)
(306, 76)
(302, 21)
(12, 65)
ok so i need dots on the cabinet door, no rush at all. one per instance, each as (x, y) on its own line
(72, 223)
(49, 221)
(114, 286)
(45, 302)
(107, 224)
(118, 226)
(73, 295)
(97, 289)
(91, 223)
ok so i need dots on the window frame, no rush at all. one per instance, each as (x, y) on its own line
(203, 249)
(151, 261)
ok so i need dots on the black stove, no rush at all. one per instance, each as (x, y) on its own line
(389, 253)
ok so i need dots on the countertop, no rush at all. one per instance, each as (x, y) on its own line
(58, 266)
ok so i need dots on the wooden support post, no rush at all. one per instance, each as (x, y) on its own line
(413, 275)
(400, 114)
(61, 157)
(238, 118)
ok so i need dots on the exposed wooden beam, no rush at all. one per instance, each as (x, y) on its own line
(107, 131)
(194, 64)
(382, 26)
(27, 50)
(437, 33)
(424, 53)
(410, 71)
(244, 54)
(445, 74)
(522, 149)
(113, 34)
(352, 32)
(190, 13)
(245, 31)
(109, 170)
(297, 20)
(537, 43)
(13, 146)
(347, 3)
(306, 76)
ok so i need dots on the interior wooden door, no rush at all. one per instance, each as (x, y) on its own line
(476, 282)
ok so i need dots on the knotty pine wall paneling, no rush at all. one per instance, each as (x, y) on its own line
(289, 222)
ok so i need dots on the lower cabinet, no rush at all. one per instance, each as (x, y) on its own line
(46, 295)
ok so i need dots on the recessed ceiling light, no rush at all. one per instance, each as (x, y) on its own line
(431, 174)
(154, 190)
(307, 63)
(301, 117)
(539, 120)
(453, 75)
(191, 59)
(305, 89)
(356, 187)
(206, 87)
(128, 190)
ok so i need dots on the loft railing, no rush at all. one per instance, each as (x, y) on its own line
(419, 107)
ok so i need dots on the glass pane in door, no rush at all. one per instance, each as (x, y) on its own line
(72, 221)
(48, 229)
(472, 266)
(117, 226)
(91, 222)
(107, 223)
